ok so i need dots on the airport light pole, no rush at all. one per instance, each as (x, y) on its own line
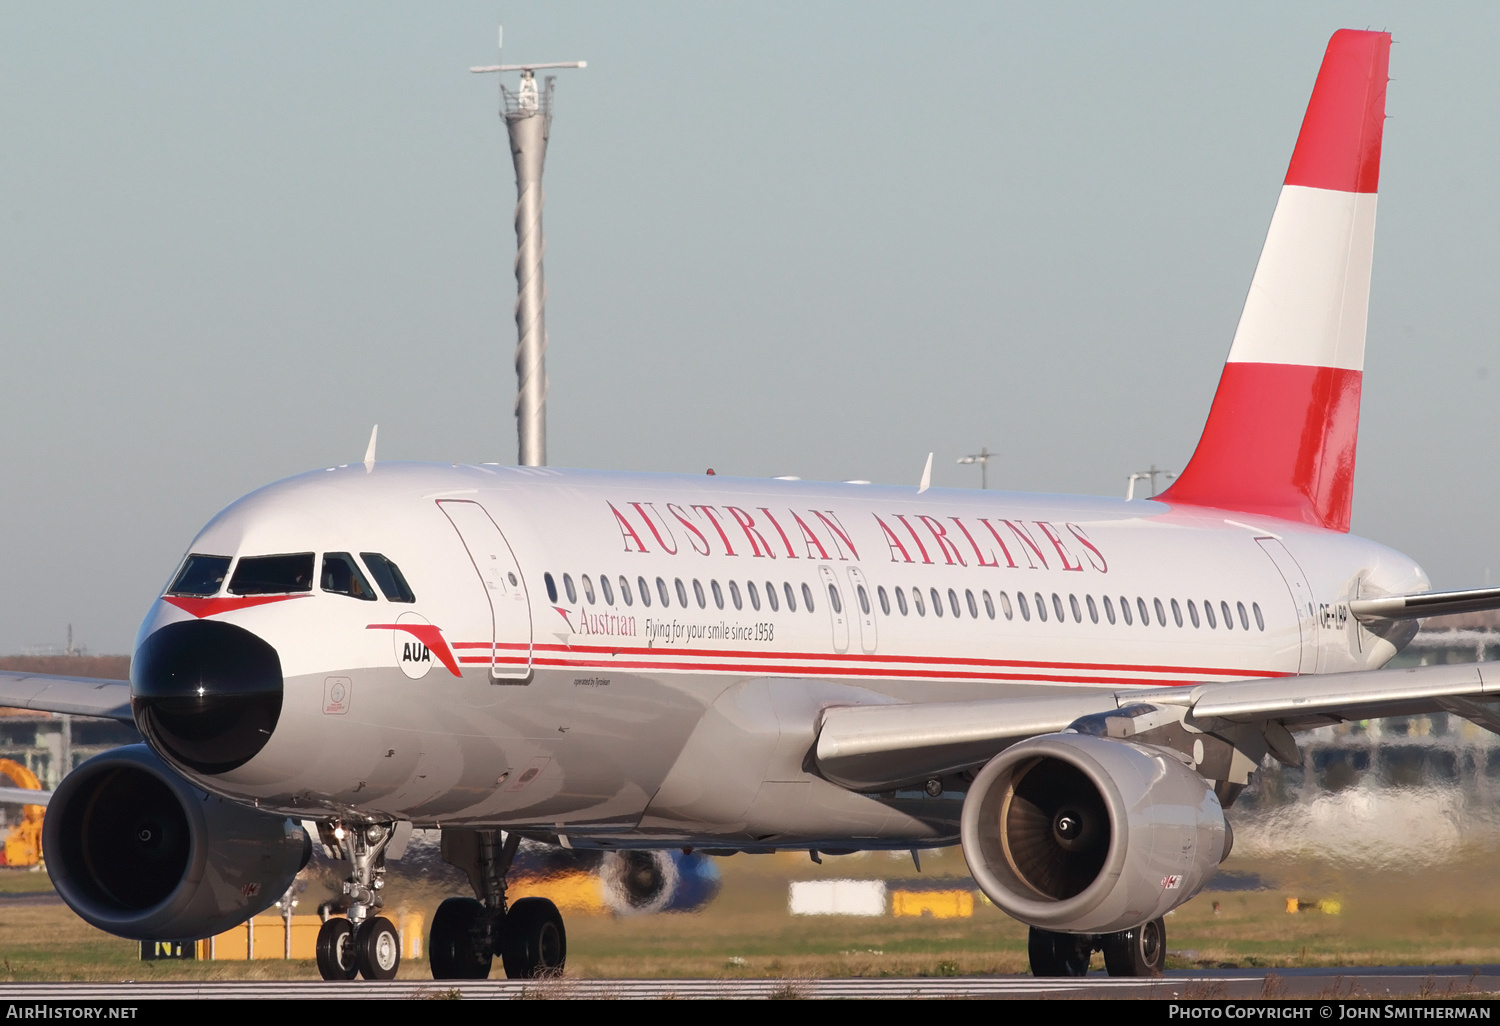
(528, 120)
(982, 457)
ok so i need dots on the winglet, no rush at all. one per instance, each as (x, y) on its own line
(370, 449)
(926, 476)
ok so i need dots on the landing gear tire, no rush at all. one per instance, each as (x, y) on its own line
(1138, 952)
(1058, 954)
(377, 949)
(534, 943)
(454, 949)
(336, 958)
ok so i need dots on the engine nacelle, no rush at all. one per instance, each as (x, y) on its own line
(1082, 834)
(137, 851)
(638, 882)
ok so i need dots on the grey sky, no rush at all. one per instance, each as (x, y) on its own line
(813, 239)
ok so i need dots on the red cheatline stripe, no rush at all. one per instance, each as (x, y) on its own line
(855, 657)
(201, 607)
(1339, 145)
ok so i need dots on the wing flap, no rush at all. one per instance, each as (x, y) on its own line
(75, 696)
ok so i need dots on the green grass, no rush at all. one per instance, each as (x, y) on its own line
(1431, 916)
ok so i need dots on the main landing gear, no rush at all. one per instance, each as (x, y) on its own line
(1138, 952)
(363, 944)
(467, 933)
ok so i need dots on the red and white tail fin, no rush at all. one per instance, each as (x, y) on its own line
(1281, 434)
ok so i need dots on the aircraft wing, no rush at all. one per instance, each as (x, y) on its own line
(77, 696)
(871, 748)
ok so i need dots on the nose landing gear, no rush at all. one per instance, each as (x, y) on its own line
(362, 944)
(467, 933)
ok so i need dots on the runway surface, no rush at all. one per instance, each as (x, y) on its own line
(1240, 984)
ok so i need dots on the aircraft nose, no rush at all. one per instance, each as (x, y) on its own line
(206, 694)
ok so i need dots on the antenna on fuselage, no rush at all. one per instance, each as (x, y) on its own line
(926, 476)
(528, 120)
(370, 449)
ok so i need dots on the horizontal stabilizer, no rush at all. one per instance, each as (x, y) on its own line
(1431, 603)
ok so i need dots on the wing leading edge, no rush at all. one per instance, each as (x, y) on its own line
(872, 748)
(75, 696)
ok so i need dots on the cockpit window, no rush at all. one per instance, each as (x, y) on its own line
(200, 575)
(342, 577)
(388, 576)
(273, 575)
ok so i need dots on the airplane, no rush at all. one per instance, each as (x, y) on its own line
(1073, 689)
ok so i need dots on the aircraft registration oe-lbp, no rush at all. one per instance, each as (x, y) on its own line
(1074, 689)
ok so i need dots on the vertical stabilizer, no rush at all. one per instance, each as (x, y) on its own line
(1281, 434)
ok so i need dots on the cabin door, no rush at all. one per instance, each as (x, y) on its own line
(504, 589)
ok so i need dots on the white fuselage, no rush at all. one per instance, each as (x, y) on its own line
(678, 703)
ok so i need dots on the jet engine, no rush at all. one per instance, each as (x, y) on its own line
(1082, 834)
(137, 851)
(638, 882)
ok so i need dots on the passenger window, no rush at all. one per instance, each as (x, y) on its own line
(973, 606)
(864, 599)
(1177, 612)
(388, 578)
(833, 599)
(754, 595)
(609, 596)
(734, 595)
(1125, 610)
(916, 600)
(1260, 621)
(588, 588)
(1244, 620)
(645, 591)
(568, 587)
(681, 594)
(1093, 609)
(1077, 612)
(901, 600)
(1041, 607)
(273, 575)
(953, 603)
(1228, 616)
(1193, 612)
(1005, 606)
(1058, 609)
(791, 598)
(771, 597)
(341, 576)
(718, 594)
(697, 594)
(885, 600)
(551, 586)
(625, 591)
(1208, 611)
(1161, 614)
(1109, 610)
(663, 595)
(200, 575)
(937, 602)
(1025, 609)
(807, 602)
(1140, 607)
(989, 604)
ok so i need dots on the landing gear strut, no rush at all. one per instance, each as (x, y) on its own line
(363, 944)
(1138, 952)
(467, 933)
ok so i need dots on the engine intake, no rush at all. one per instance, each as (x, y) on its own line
(137, 851)
(1083, 834)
